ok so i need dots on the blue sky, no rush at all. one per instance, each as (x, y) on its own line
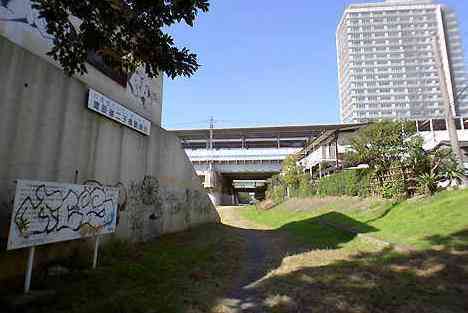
(264, 63)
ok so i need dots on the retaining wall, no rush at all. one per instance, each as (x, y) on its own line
(47, 133)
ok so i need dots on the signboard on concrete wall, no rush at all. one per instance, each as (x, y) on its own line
(111, 109)
(46, 212)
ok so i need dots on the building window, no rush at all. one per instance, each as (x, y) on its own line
(424, 126)
(439, 124)
(109, 66)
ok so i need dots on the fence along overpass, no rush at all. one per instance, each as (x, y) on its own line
(222, 156)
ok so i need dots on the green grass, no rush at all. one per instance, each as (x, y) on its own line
(175, 273)
(306, 228)
(442, 219)
(421, 223)
(352, 274)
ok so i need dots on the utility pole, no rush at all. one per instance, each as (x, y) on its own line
(210, 147)
(449, 106)
(211, 132)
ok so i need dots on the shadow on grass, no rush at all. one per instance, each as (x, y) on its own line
(387, 281)
(424, 281)
(385, 213)
(189, 272)
(327, 231)
(456, 241)
(182, 270)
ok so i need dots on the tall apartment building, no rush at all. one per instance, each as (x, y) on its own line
(387, 61)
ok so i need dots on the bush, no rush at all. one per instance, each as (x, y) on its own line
(349, 183)
(394, 189)
(277, 190)
(428, 184)
(306, 189)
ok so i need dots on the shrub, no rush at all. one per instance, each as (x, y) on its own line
(306, 189)
(428, 183)
(350, 183)
(276, 189)
(394, 189)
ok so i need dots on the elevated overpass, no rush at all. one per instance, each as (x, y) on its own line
(222, 156)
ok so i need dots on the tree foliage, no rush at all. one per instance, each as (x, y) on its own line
(129, 30)
(431, 168)
(393, 149)
(399, 167)
(276, 190)
(382, 145)
(292, 173)
(292, 182)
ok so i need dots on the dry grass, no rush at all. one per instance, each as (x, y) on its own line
(326, 281)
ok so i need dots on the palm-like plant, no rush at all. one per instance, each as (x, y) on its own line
(441, 166)
(453, 172)
(428, 183)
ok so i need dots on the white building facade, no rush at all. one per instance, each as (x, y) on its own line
(387, 64)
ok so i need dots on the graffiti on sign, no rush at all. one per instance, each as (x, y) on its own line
(46, 212)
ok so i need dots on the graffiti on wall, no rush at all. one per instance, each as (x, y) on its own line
(22, 13)
(20, 18)
(45, 212)
(144, 204)
(141, 87)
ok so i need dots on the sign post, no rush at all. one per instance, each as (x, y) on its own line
(47, 212)
(96, 249)
(27, 279)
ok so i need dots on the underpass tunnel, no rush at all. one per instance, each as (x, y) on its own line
(249, 191)
(236, 184)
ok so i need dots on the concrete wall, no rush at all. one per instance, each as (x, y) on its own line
(47, 133)
(21, 24)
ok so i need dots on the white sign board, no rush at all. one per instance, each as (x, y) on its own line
(117, 112)
(46, 212)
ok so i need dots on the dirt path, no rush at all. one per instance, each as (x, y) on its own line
(263, 248)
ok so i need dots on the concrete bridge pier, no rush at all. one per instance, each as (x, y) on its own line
(220, 189)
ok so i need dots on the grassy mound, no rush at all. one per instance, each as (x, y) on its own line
(420, 223)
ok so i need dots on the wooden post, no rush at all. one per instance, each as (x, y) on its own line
(27, 280)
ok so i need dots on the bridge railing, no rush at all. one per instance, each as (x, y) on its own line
(240, 154)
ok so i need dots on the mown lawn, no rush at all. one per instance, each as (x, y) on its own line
(341, 272)
(420, 223)
(440, 220)
(176, 273)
